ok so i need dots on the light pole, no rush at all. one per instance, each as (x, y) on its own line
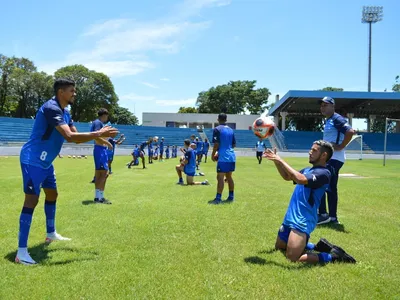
(371, 14)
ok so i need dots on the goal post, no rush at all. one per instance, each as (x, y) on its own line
(355, 145)
(386, 134)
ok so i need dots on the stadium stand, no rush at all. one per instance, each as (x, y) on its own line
(18, 130)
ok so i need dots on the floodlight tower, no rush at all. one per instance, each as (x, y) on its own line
(371, 14)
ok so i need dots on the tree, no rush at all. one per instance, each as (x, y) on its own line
(123, 116)
(331, 89)
(233, 98)
(187, 110)
(94, 91)
(396, 85)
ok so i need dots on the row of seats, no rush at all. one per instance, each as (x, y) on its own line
(18, 130)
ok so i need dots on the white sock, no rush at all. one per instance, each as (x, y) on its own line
(22, 250)
(101, 194)
(97, 194)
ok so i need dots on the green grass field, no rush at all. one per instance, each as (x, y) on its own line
(160, 240)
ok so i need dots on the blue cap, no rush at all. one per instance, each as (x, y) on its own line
(327, 100)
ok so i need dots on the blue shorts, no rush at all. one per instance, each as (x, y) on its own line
(284, 232)
(110, 156)
(35, 178)
(225, 167)
(100, 158)
(191, 174)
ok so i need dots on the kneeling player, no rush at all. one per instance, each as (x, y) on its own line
(301, 217)
(188, 166)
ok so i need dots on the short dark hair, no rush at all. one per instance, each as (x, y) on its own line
(102, 112)
(325, 147)
(222, 117)
(187, 142)
(62, 83)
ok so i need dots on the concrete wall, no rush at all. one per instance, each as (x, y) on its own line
(191, 120)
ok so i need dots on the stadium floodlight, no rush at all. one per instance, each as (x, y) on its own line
(371, 14)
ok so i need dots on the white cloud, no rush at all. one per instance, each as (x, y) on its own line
(165, 79)
(119, 47)
(190, 102)
(134, 97)
(153, 86)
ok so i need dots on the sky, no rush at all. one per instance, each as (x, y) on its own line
(160, 54)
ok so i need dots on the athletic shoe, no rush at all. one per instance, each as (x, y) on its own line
(323, 219)
(93, 181)
(54, 236)
(24, 258)
(334, 221)
(205, 182)
(323, 246)
(101, 201)
(339, 255)
(228, 200)
(215, 202)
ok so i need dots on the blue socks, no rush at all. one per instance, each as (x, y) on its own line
(230, 195)
(324, 257)
(50, 211)
(310, 246)
(25, 221)
(218, 197)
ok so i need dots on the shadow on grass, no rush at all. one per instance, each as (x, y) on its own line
(256, 260)
(40, 254)
(337, 227)
(87, 202)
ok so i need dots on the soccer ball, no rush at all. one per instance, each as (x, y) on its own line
(263, 127)
(155, 139)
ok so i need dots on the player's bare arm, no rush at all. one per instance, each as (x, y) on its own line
(82, 137)
(215, 149)
(347, 138)
(282, 166)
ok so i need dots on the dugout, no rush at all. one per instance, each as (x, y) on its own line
(363, 105)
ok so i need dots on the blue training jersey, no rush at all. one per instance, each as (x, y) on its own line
(112, 142)
(302, 211)
(143, 146)
(224, 136)
(199, 148)
(206, 146)
(335, 128)
(190, 156)
(45, 141)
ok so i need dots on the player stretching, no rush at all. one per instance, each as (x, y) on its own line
(188, 166)
(52, 125)
(139, 152)
(100, 158)
(224, 142)
(110, 153)
(301, 216)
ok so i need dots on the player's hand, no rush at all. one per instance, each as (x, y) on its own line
(108, 131)
(337, 147)
(271, 154)
(214, 157)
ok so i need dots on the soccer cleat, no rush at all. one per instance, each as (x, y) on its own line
(335, 221)
(229, 200)
(323, 219)
(339, 255)
(215, 201)
(205, 182)
(24, 258)
(54, 236)
(323, 246)
(102, 201)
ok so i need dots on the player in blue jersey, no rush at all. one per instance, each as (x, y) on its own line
(139, 152)
(338, 132)
(260, 148)
(53, 125)
(161, 146)
(150, 150)
(224, 142)
(188, 165)
(101, 158)
(301, 216)
(206, 146)
(110, 153)
(199, 151)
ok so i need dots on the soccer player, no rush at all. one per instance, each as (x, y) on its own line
(53, 125)
(150, 150)
(110, 153)
(301, 216)
(260, 148)
(206, 146)
(139, 152)
(199, 151)
(188, 166)
(167, 152)
(338, 132)
(224, 142)
(161, 146)
(100, 158)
